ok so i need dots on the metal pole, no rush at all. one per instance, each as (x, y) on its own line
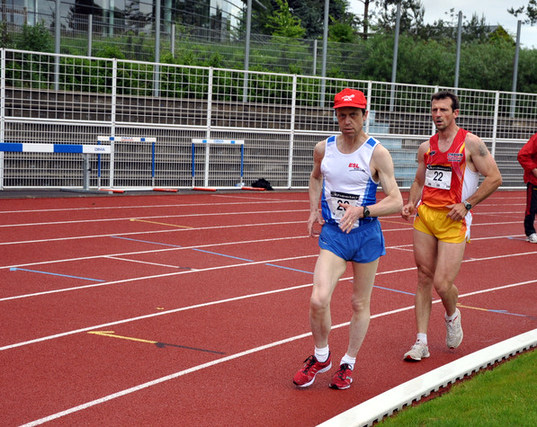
(458, 58)
(173, 40)
(86, 172)
(90, 33)
(515, 69)
(395, 52)
(57, 35)
(2, 112)
(247, 50)
(113, 118)
(314, 71)
(156, 76)
(325, 47)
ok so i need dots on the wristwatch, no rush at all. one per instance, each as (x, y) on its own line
(366, 212)
(467, 205)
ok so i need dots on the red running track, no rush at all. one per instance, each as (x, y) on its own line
(193, 308)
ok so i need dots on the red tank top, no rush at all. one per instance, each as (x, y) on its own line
(444, 173)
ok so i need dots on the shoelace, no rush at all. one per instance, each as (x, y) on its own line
(308, 363)
(342, 372)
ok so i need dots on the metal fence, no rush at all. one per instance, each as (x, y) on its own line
(63, 99)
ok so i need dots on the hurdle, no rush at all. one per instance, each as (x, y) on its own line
(84, 149)
(113, 139)
(207, 143)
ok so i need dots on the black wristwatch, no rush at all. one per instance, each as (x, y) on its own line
(467, 205)
(366, 212)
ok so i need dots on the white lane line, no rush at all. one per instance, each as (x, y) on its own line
(223, 360)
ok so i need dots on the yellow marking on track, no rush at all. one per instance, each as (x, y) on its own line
(473, 308)
(160, 223)
(112, 335)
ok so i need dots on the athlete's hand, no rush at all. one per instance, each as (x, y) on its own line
(458, 211)
(352, 214)
(407, 211)
(315, 218)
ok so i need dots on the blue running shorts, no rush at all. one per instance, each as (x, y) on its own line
(363, 244)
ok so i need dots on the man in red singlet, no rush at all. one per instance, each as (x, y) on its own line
(443, 192)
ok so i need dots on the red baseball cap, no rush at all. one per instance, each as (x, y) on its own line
(350, 98)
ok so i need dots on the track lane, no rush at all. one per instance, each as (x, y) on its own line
(223, 391)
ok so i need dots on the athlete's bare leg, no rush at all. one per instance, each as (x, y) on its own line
(328, 269)
(364, 277)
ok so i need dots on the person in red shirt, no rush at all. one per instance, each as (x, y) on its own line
(443, 192)
(527, 157)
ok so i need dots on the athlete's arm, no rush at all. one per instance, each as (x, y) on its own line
(478, 155)
(382, 163)
(315, 187)
(417, 186)
(381, 166)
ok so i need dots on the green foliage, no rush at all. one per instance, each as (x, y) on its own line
(35, 38)
(426, 55)
(283, 23)
(487, 66)
(109, 51)
(527, 78)
(342, 32)
(499, 35)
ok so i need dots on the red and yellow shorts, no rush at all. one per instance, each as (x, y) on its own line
(434, 221)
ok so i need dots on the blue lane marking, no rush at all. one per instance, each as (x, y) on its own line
(146, 241)
(510, 314)
(394, 290)
(224, 255)
(54, 274)
(243, 259)
(289, 268)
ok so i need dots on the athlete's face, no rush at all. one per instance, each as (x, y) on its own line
(443, 113)
(351, 120)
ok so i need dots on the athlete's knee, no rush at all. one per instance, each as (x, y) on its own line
(425, 276)
(444, 288)
(319, 302)
(360, 305)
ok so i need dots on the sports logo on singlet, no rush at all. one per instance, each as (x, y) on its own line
(455, 157)
(355, 167)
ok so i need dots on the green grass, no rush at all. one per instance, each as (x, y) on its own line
(504, 396)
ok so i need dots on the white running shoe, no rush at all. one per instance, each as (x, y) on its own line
(417, 352)
(454, 331)
(532, 238)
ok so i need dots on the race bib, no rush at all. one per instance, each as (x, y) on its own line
(438, 176)
(345, 198)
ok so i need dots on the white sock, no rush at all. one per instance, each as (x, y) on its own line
(321, 354)
(348, 360)
(449, 318)
(422, 338)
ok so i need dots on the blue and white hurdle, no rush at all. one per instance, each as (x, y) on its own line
(207, 143)
(113, 139)
(28, 147)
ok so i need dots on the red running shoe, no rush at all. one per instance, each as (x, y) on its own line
(311, 368)
(342, 378)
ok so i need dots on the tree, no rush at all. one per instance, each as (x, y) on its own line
(364, 22)
(530, 11)
(411, 22)
(283, 23)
